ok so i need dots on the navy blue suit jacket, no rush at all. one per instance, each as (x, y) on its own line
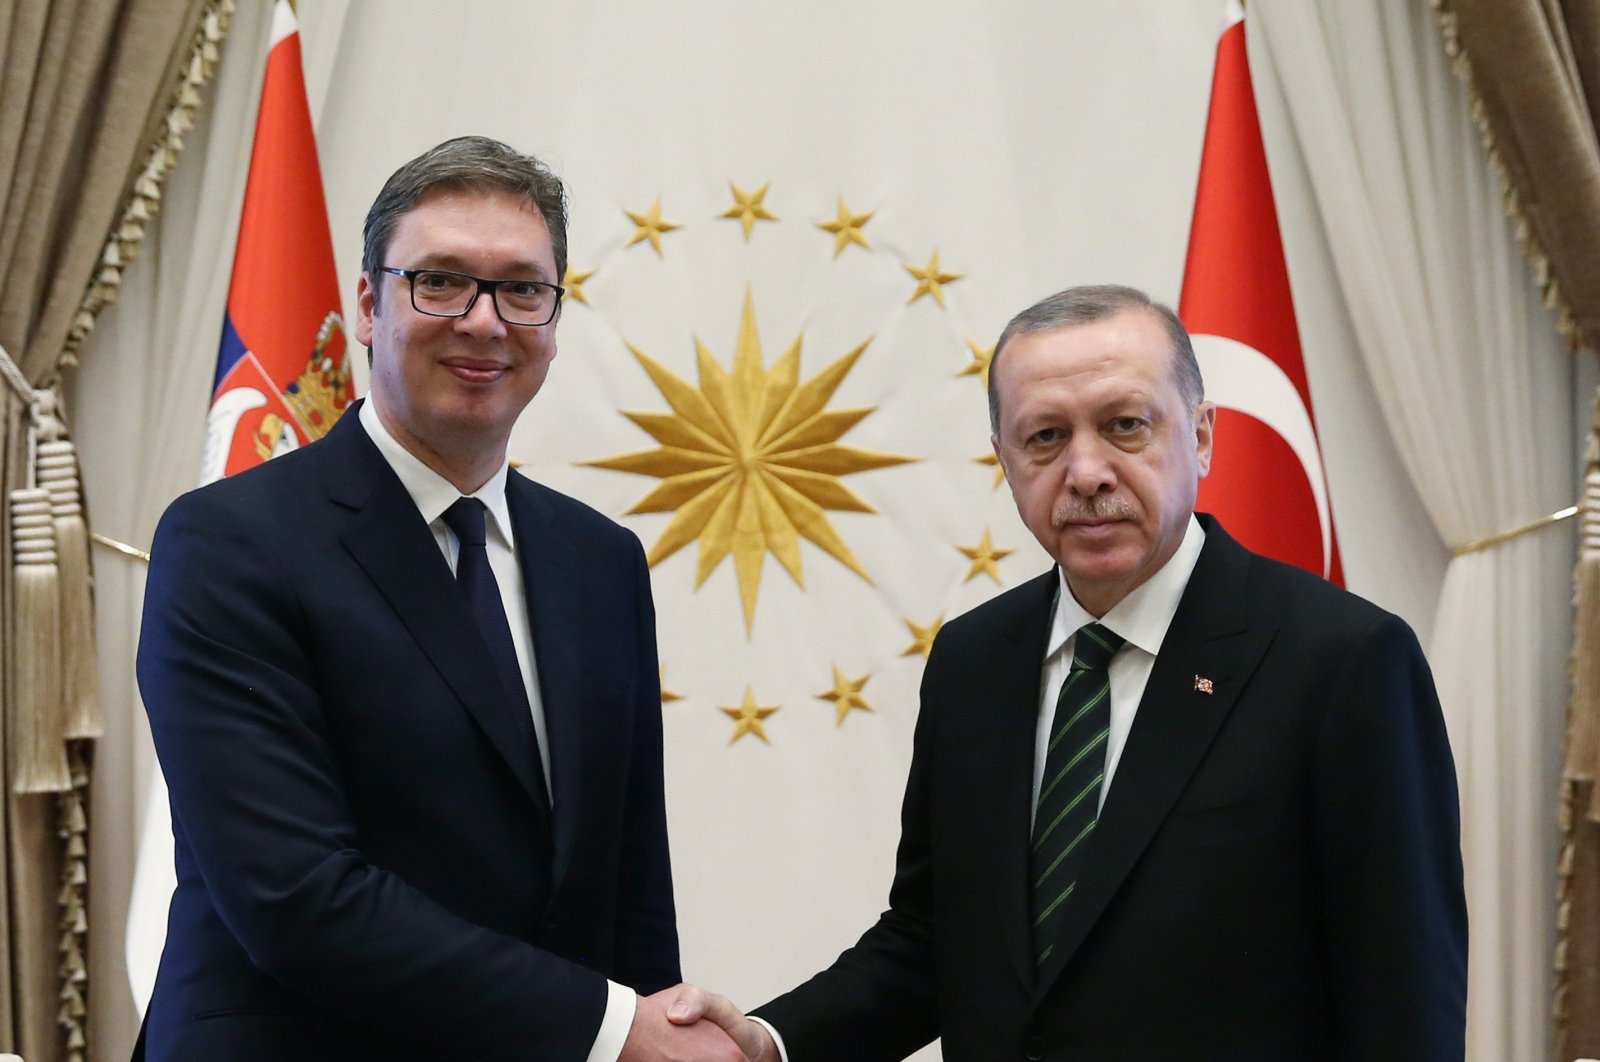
(363, 868)
(1276, 872)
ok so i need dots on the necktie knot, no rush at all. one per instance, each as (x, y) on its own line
(465, 518)
(1094, 647)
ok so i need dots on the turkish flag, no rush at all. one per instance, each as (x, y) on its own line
(1266, 483)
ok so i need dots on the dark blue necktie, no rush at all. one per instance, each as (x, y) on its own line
(476, 580)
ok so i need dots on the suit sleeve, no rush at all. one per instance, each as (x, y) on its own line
(879, 1000)
(244, 741)
(647, 936)
(1388, 855)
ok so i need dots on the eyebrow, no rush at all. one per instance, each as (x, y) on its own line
(455, 263)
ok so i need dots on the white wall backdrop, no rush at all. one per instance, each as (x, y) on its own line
(1033, 145)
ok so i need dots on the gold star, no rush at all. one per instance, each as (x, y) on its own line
(979, 365)
(747, 208)
(749, 462)
(846, 228)
(651, 226)
(983, 556)
(922, 637)
(747, 718)
(990, 459)
(846, 694)
(573, 282)
(667, 696)
(931, 279)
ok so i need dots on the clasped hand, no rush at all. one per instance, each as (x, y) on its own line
(689, 1024)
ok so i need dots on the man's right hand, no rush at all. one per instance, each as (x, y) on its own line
(691, 1004)
(652, 1038)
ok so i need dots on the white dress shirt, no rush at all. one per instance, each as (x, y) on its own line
(1141, 619)
(433, 494)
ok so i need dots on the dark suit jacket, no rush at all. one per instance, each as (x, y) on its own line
(1276, 873)
(363, 868)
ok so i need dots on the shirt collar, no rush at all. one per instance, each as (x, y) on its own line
(1141, 618)
(431, 492)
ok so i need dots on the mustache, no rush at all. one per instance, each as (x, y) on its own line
(1095, 507)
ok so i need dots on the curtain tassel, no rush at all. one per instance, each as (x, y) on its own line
(58, 473)
(1583, 717)
(37, 725)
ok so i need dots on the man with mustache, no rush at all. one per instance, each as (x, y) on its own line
(1169, 800)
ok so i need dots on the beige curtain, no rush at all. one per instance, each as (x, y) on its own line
(1533, 68)
(1577, 996)
(95, 96)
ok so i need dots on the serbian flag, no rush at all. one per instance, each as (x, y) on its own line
(1266, 483)
(281, 381)
(281, 374)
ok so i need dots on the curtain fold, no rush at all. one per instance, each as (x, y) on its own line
(1577, 962)
(87, 86)
(1468, 370)
(1533, 70)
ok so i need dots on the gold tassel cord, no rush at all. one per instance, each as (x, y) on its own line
(58, 473)
(1490, 541)
(120, 547)
(36, 726)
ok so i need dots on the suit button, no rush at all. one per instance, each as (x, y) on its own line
(1033, 1050)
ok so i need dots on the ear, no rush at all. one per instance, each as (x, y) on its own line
(364, 297)
(1205, 422)
(994, 441)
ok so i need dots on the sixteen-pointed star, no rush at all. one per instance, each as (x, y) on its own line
(846, 694)
(748, 717)
(651, 226)
(846, 228)
(747, 207)
(979, 365)
(984, 557)
(922, 637)
(749, 462)
(573, 282)
(931, 279)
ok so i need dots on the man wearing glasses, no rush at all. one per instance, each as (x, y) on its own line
(406, 700)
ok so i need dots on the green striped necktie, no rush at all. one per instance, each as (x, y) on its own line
(1069, 792)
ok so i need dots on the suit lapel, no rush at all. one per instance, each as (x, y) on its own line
(400, 555)
(1211, 636)
(1008, 685)
(550, 582)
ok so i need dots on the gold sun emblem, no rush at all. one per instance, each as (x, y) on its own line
(750, 462)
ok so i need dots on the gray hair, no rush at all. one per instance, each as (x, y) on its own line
(467, 163)
(1095, 302)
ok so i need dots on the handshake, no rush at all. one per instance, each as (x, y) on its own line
(689, 1024)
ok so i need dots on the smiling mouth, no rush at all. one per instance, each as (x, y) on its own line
(474, 371)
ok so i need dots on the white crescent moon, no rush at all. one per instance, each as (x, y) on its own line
(1244, 379)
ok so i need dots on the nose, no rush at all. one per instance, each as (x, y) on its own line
(481, 319)
(1088, 469)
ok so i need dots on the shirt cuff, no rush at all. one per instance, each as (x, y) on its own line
(620, 1004)
(776, 1038)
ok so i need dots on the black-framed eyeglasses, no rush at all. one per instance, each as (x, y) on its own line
(441, 293)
